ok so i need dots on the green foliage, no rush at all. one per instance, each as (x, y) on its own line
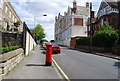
(18, 22)
(105, 36)
(118, 43)
(104, 39)
(7, 49)
(39, 31)
(105, 28)
(43, 40)
(83, 41)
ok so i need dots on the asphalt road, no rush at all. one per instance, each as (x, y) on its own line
(80, 65)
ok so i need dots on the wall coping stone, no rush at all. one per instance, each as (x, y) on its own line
(6, 56)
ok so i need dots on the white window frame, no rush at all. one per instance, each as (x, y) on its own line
(6, 9)
(10, 14)
(13, 17)
(0, 20)
(1, 4)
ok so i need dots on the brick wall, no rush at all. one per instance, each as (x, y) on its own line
(112, 19)
(78, 21)
(73, 43)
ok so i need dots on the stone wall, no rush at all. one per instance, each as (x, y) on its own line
(94, 49)
(12, 39)
(10, 60)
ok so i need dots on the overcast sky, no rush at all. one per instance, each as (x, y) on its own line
(30, 10)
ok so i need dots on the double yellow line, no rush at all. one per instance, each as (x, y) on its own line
(63, 73)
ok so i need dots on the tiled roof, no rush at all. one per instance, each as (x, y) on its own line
(112, 3)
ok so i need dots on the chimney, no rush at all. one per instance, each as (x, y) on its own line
(74, 6)
(87, 4)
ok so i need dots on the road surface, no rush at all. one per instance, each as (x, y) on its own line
(80, 65)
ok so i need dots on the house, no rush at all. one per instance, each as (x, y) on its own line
(109, 12)
(72, 24)
(9, 20)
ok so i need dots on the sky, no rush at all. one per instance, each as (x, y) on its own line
(32, 11)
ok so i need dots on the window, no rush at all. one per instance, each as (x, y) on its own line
(107, 19)
(78, 21)
(1, 4)
(6, 9)
(102, 21)
(5, 25)
(10, 14)
(13, 18)
(0, 21)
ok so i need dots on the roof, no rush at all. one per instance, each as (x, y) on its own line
(111, 3)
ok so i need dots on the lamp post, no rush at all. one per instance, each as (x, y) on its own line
(118, 14)
(34, 26)
(90, 27)
(38, 16)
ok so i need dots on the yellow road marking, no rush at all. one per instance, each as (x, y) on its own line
(66, 77)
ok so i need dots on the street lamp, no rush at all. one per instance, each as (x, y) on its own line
(38, 16)
(34, 25)
(91, 27)
(118, 14)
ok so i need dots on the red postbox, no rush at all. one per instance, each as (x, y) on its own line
(48, 54)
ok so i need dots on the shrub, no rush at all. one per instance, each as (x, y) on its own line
(105, 36)
(104, 39)
(7, 49)
(83, 41)
(118, 42)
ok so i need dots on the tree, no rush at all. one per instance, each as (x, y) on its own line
(105, 36)
(39, 31)
(43, 40)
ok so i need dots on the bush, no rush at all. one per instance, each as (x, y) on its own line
(7, 49)
(83, 41)
(104, 39)
(105, 36)
(118, 42)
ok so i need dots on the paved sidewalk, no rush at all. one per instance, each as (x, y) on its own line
(33, 67)
(109, 55)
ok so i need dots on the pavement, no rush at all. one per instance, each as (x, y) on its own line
(33, 67)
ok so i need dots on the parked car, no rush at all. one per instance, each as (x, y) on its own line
(56, 48)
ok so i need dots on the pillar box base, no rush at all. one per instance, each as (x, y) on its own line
(48, 64)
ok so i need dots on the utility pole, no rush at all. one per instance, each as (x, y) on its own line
(119, 14)
(91, 29)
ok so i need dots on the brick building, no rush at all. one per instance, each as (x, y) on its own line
(9, 20)
(72, 24)
(109, 12)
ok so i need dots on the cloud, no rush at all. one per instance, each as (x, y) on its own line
(32, 11)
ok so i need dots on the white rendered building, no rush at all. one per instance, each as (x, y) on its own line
(72, 24)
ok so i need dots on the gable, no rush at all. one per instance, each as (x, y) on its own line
(103, 5)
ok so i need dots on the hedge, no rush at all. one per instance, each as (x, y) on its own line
(99, 40)
(7, 49)
(118, 43)
(83, 41)
(104, 39)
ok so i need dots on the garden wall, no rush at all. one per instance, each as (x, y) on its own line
(12, 39)
(9, 60)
